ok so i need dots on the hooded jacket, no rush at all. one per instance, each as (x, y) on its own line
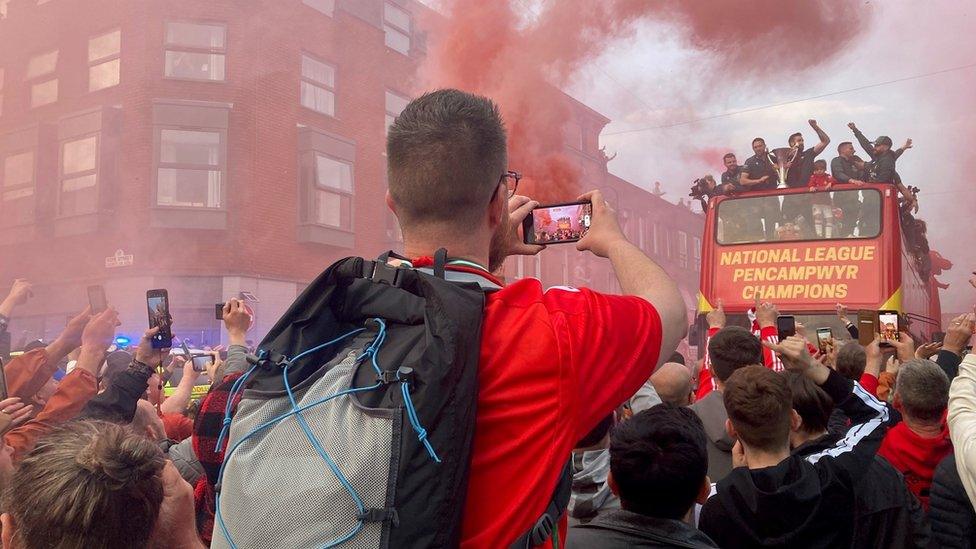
(711, 410)
(591, 494)
(916, 457)
(622, 529)
(952, 516)
(803, 501)
(887, 515)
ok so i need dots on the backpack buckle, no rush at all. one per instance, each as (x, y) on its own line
(383, 273)
(542, 530)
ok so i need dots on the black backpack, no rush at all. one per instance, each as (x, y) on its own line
(329, 444)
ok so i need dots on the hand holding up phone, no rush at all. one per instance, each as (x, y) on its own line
(604, 231)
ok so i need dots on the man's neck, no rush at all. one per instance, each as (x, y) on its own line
(760, 459)
(923, 429)
(457, 249)
(803, 437)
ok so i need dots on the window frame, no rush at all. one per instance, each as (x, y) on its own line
(44, 78)
(408, 32)
(159, 164)
(310, 208)
(181, 48)
(62, 176)
(302, 79)
(697, 252)
(32, 185)
(682, 249)
(97, 62)
(389, 113)
(329, 14)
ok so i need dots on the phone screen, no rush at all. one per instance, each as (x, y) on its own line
(938, 337)
(96, 298)
(786, 326)
(888, 324)
(558, 223)
(200, 362)
(3, 382)
(825, 340)
(159, 316)
(219, 311)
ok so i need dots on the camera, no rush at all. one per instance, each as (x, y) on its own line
(699, 189)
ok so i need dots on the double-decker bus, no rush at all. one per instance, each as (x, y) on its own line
(860, 258)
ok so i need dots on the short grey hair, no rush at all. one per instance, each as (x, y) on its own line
(923, 389)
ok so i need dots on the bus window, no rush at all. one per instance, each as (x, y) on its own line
(828, 216)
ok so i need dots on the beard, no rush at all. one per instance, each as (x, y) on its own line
(498, 248)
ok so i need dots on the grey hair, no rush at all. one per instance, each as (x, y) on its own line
(923, 389)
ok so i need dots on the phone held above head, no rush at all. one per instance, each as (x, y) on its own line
(157, 303)
(557, 223)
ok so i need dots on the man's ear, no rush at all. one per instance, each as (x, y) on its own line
(795, 420)
(730, 429)
(7, 532)
(896, 402)
(389, 202)
(497, 207)
(704, 491)
(610, 481)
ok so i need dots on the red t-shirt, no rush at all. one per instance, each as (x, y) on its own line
(552, 365)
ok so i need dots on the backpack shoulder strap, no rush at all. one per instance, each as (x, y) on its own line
(548, 522)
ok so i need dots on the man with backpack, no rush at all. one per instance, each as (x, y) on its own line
(486, 387)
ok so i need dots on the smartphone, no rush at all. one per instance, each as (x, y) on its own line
(938, 337)
(219, 311)
(888, 324)
(825, 340)
(200, 362)
(96, 298)
(786, 326)
(3, 382)
(157, 302)
(867, 326)
(557, 223)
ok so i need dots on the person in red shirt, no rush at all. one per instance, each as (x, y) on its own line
(917, 444)
(823, 208)
(553, 362)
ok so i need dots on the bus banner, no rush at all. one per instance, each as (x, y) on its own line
(813, 275)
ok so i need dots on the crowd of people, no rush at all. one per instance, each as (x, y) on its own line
(824, 214)
(765, 442)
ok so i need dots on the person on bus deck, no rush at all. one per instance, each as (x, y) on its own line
(759, 174)
(730, 177)
(847, 168)
(883, 160)
(822, 208)
(798, 175)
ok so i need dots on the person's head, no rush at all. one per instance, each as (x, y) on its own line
(447, 160)
(673, 383)
(820, 167)
(33, 345)
(759, 145)
(846, 150)
(729, 161)
(851, 361)
(760, 409)
(882, 144)
(146, 421)
(796, 140)
(813, 405)
(733, 347)
(86, 484)
(599, 436)
(658, 462)
(6, 464)
(709, 180)
(116, 362)
(677, 357)
(922, 391)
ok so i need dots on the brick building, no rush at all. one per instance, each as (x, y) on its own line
(217, 147)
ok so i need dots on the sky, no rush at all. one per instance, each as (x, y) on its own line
(653, 78)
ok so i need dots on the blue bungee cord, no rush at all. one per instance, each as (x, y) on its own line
(371, 351)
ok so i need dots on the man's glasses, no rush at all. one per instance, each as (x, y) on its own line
(513, 186)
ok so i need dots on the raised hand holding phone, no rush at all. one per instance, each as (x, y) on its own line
(157, 302)
(604, 231)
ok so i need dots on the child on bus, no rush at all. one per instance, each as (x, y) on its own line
(823, 209)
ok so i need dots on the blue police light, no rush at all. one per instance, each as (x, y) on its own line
(122, 341)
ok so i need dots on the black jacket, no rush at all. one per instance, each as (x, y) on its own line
(803, 501)
(117, 403)
(887, 514)
(951, 513)
(621, 529)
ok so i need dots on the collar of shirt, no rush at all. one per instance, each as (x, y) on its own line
(459, 266)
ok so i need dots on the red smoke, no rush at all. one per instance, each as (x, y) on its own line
(487, 48)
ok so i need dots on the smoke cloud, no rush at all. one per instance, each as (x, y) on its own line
(521, 57)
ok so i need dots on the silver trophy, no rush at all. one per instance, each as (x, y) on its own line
(782, 159)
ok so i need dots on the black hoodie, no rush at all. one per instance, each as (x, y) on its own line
(803, 501)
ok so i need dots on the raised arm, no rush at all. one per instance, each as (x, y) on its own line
(865, 144)
(962, 423)
(637, 274)
(824, 139)
(748, 183)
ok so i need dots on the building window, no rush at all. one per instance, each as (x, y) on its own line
(697, 253)
(103, 60)
(41, 75)
(79, 176)
(195, 51)
(190, 170)
(683, 249)
(668, 244)
(16, 200)
(325, 6)
(641, 232)
(396, 25)
(318, 86)
(654, 239)
(395, 104)
(574, 135)
(332, 197)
